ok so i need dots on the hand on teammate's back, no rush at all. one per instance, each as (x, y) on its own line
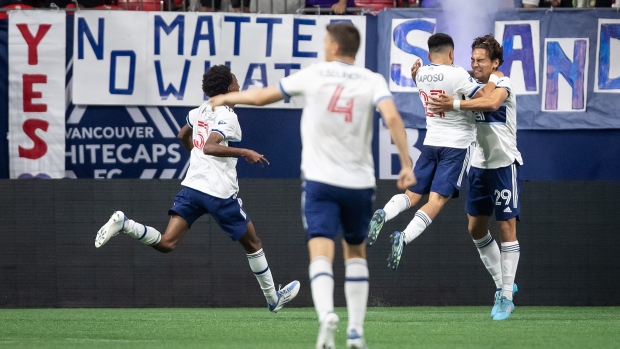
(415, 67)
(440, 103)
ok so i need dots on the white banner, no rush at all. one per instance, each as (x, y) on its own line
(158, 59)
(37, 94)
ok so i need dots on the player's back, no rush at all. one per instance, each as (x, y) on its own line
(336, 125)
(216, 176)
(454, 129)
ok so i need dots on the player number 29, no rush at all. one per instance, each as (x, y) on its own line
(504, 195)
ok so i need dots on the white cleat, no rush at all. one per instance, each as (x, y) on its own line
(110, 229)
(285, 295)
(326, 332)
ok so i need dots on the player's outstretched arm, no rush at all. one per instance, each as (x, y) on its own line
(394, 122)
(185, 135)
(214, 148)
(490, 86)
(262, 96)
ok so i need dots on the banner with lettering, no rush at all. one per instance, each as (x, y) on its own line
(36, 94)
(158, 58)
(563, 64)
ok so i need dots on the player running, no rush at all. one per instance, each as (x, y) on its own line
(337, 169)
(210, 186)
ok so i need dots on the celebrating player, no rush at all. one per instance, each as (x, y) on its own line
(494, 177)
(210, 187)
(444, 157)
(337, 169)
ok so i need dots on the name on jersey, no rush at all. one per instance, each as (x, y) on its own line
(429, 77)
(339, 74)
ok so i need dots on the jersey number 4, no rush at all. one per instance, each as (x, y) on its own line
(347, 109)
(424, 96)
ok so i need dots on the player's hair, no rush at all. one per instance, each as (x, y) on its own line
(438, 42)
(216, 80)
(346, 36)
(493, 48)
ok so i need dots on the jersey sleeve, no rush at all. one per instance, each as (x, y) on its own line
(381, 90)
(228, 126)
(192, 117)
(296, 84)
(464, 84)
(506, 83)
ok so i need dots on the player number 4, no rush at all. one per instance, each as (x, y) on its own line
(347, 109)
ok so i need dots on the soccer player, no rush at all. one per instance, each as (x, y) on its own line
(495, 175)
(445, 153)
(210, 186)
(337, 169)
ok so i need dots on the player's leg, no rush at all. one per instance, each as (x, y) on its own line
(424, 169)
(479, 207)
(508, 207)
(356, 208)
(450, 168)
(321, 220)
(232, 218)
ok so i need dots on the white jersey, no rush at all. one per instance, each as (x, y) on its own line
(452, 129)
(216, 176)
(337, 122)
(496, 139)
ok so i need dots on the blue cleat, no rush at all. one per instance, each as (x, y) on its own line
(498, 297)
(355, 341)
(376, 223)
(285, 295)
(396, 239)
(506, 307)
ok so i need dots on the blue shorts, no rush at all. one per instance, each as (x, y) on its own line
(496, 190)
(327, 211)
(440, 170)
(190, 204)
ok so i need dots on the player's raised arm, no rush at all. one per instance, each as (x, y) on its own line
(258, 97)
(392, 118)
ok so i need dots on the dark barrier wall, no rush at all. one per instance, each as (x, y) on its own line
(568, 237)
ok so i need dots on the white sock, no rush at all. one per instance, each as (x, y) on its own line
(510, 260)
(356, 292)
(397, 204)
(490, 256)
(258, 264)
(322, 286)
(147, 235)
(417, 225)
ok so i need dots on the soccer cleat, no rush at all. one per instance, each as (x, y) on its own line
(396, 239)
(506, 307)
(355, 341)
(376, 223)
(326, 332)
(110, 229)
(498, 297)
(285, 295)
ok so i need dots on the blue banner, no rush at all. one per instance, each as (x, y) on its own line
(564, 64)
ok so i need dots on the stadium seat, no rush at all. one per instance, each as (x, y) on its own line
(375, 5)
(5, 15)
(140, 5)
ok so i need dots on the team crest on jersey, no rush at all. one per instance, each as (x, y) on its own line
(222, 122)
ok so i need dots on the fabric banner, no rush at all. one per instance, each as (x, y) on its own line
(158, 58)
(563, 64)
(37, 94)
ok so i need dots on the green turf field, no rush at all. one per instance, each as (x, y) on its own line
(404, 327)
